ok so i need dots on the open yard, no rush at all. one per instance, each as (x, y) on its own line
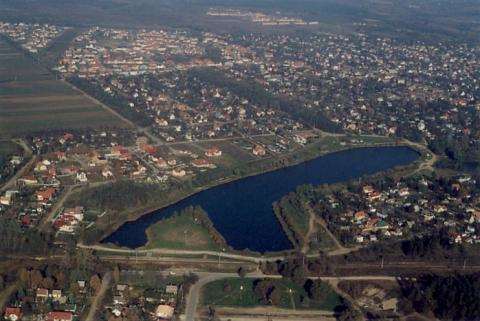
(32, 100)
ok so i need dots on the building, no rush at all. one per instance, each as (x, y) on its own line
(202, 163)
(171, 289)
(45, 195)
(13, 314)
(258, 150)
(213, 152)
(42, 294)
(178, 173)
(164, 311)
(59, 316)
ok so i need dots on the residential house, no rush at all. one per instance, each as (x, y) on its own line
(13, 314)
(171, 289)
(213, 152)
(59, 316)
(258, 150)
(44, 196)
(42, 294)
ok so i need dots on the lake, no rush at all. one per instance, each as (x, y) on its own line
(242, 210)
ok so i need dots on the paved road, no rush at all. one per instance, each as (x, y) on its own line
(240, 257)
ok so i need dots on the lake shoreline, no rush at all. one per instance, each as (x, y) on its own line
(305, 157)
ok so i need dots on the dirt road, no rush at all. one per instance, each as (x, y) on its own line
(273, 313)
(97, 300)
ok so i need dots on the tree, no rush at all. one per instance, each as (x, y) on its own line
(95, 283)
(36, 279)
(48, 283)
(61, 279)
(317, 290)
(298, 275)
(263, 289)
(23, 275)
(116, 274)
(451, 297)
(227, 287)
(212, 314)
(346, 312)
(241, 272)
(275, 296)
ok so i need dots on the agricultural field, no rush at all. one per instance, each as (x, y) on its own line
(32, 100)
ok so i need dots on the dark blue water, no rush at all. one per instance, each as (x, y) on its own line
(242, 210)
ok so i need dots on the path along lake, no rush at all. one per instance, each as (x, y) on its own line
(242, 210)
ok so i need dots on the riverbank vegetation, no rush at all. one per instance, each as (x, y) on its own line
(117, 196)
(189, 229)
(124, 200)
(292, 215)
(116, 200)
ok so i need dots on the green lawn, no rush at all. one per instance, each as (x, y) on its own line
(180, 231)
(241, 293)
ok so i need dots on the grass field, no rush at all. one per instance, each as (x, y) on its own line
(32, 100)
(241, 293)
(179, 232)
(321, 240)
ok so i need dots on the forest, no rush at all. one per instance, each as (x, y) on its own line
(118, 196)
(451, 297)
(15, 240)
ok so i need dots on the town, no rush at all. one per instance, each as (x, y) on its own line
(189, 110)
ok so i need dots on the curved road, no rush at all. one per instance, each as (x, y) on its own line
(28, 153)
